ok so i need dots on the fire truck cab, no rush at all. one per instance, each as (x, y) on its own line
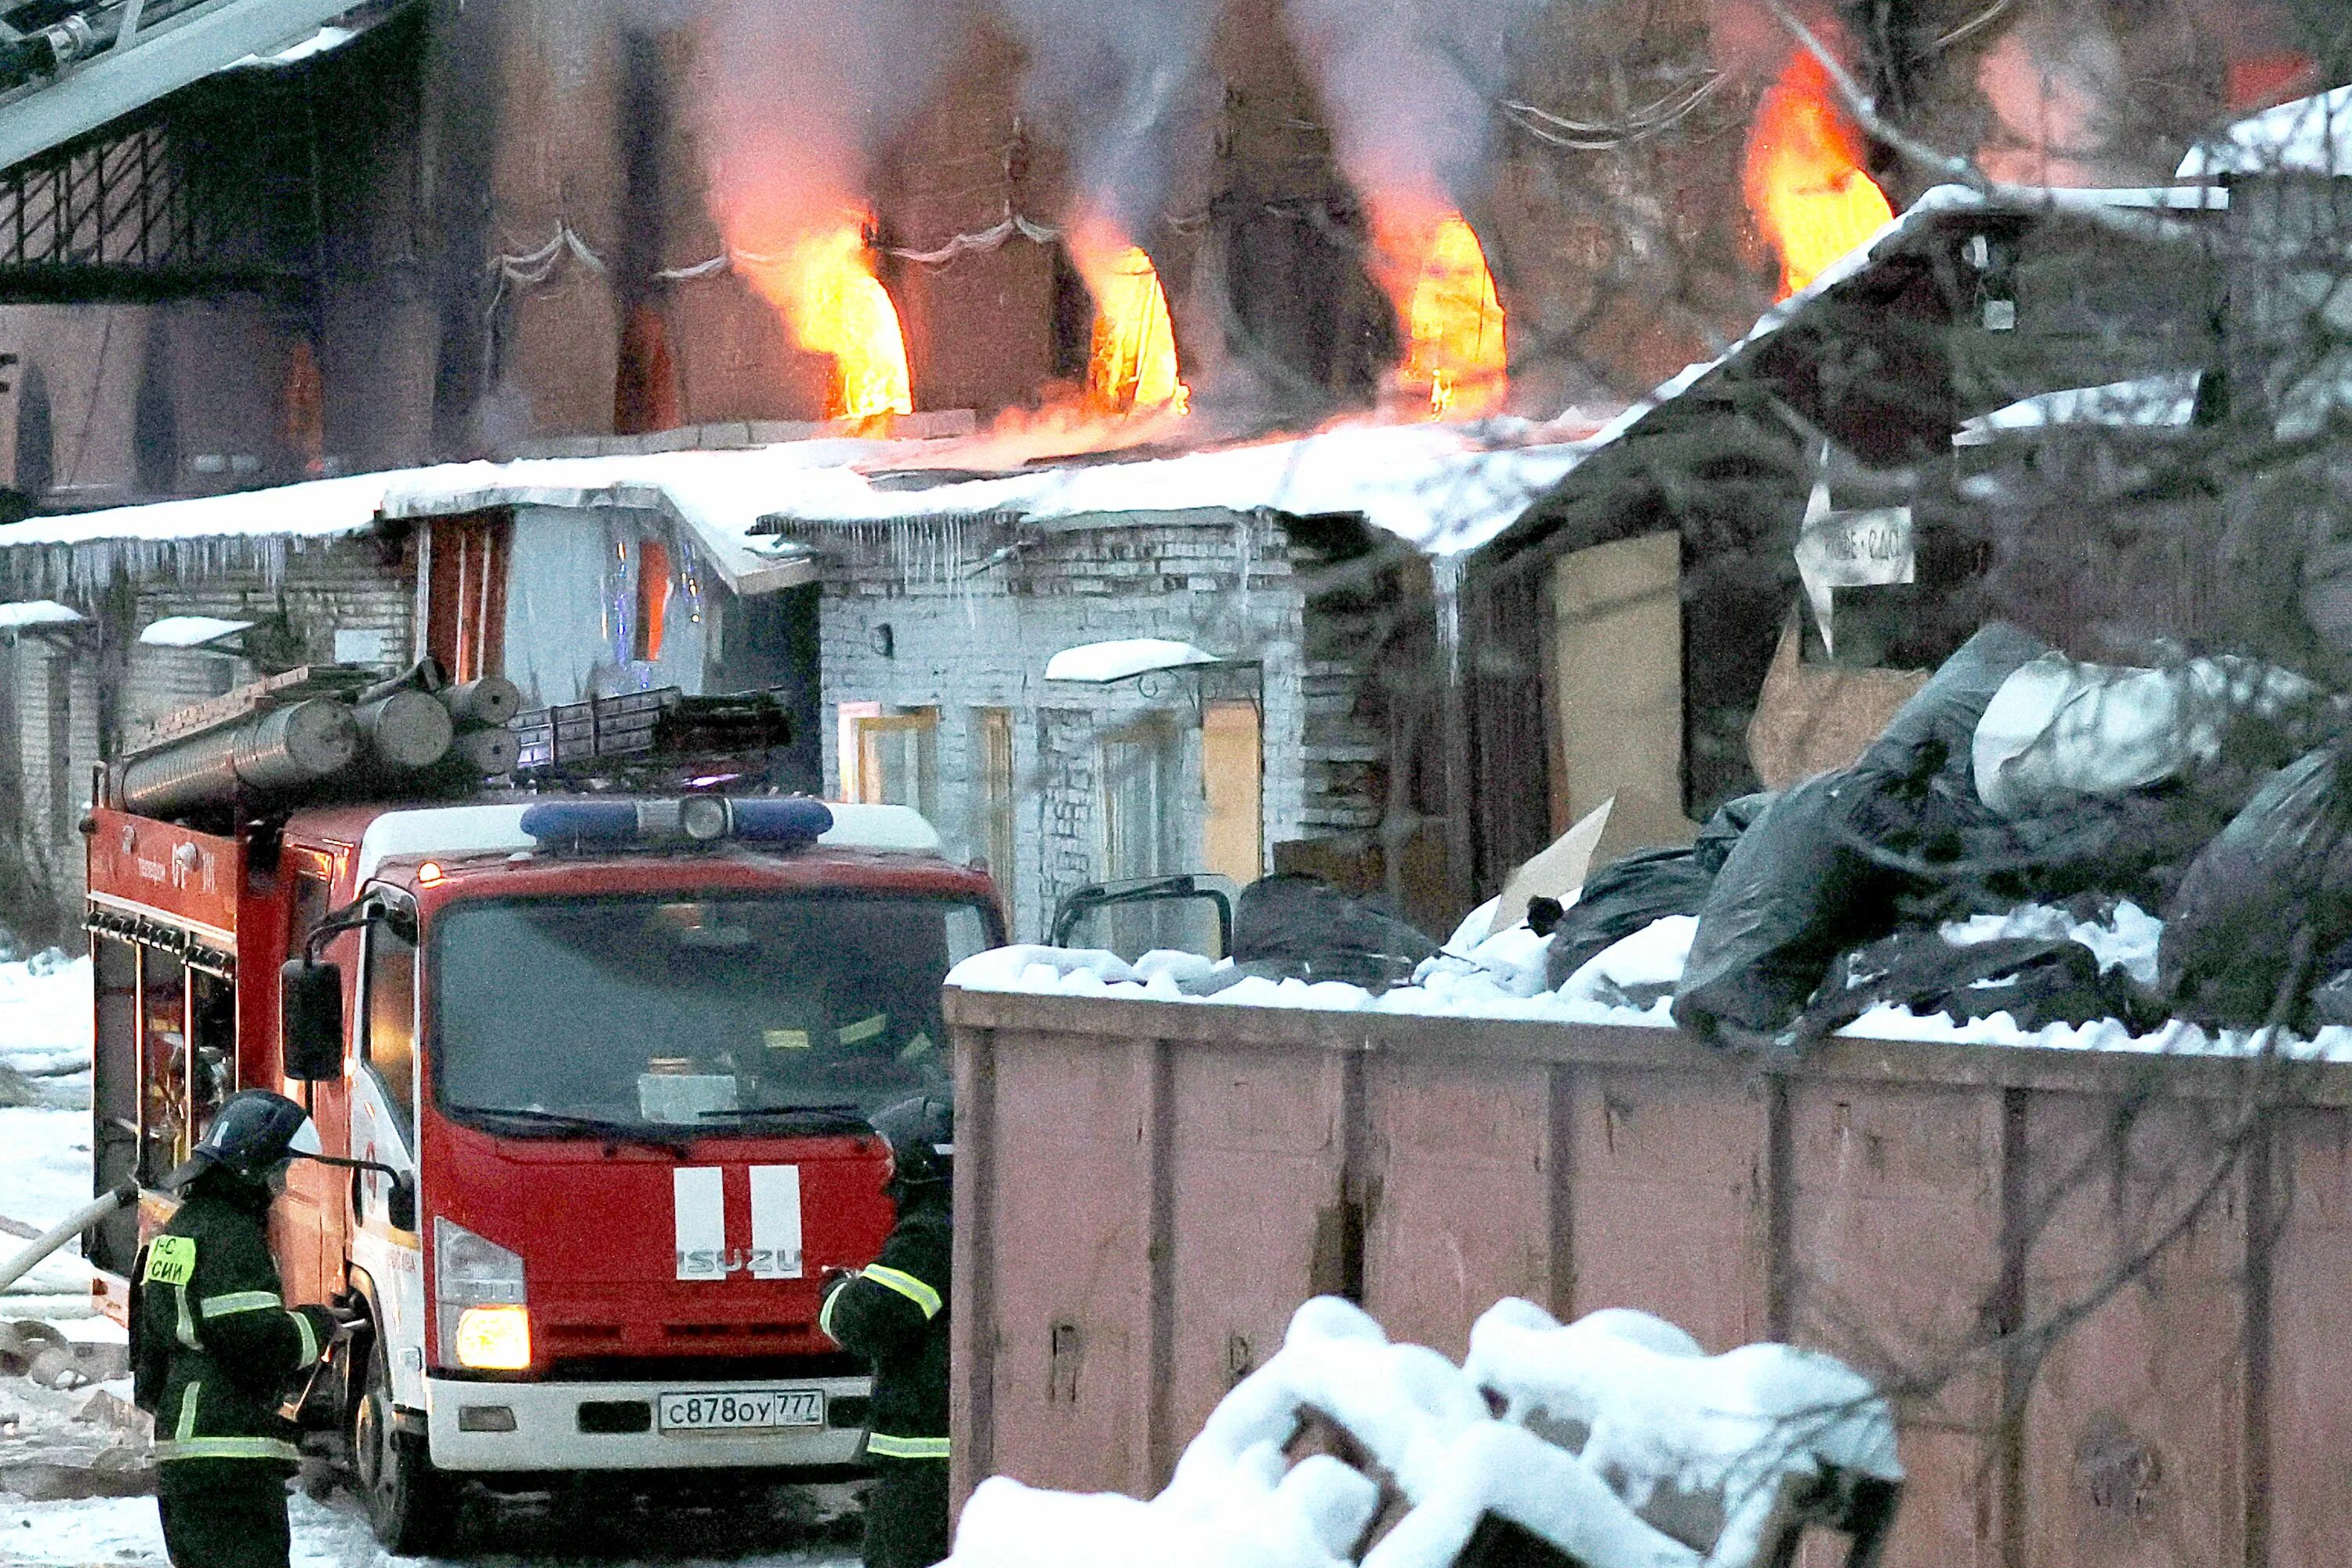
(605, 1065)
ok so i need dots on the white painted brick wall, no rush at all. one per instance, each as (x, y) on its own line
(962, 642)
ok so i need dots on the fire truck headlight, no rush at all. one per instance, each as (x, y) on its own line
(480, 1318)
(494, 1339)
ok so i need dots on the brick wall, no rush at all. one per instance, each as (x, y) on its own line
(71, 696)
(976, 609)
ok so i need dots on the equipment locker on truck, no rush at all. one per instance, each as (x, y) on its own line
(598, 1065)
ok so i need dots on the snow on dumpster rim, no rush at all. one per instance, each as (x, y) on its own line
(1030, 968)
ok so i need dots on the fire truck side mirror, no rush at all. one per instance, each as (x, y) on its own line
(400, 1202)
(310, 1025)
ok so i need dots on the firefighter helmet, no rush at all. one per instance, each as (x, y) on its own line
(253, 1131)
(921, 1135)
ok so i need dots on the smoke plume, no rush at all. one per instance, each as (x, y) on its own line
(1409, 87)
(792, 100)
(1124, 86)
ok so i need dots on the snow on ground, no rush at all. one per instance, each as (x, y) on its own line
(45, 1012)
(1502, 978)
(122, 1532)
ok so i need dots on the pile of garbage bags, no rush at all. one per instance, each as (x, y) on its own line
(1610, 1442)
(2214, 791)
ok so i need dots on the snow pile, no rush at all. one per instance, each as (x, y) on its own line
(1685, 1437)
(1651, 1413)
(2125, 940)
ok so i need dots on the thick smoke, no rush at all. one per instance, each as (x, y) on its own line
(792, 99)
(1124, 86)
(1409, 87)
(2056, 83)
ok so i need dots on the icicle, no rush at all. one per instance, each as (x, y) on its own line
(1445, 580)
(1245, 559)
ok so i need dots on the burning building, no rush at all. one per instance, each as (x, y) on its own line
(435, 230)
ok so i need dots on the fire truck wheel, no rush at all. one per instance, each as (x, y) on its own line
(412, 1507)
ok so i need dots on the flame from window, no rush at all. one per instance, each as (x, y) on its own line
(1132, 368)
(824, 283)
(1805, 181)
(1456, 353)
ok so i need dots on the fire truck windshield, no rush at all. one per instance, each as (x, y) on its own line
(572, 1015)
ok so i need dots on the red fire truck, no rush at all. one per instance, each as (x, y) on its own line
(603, 1063)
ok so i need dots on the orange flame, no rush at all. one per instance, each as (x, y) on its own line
(1132, 369)
(1805, 179)
(826, 287)
(1455, 353)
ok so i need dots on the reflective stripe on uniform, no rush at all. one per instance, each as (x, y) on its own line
(891, 1447)
(825, 1313)
(906, 1285)
(309, 1338)
(864, 1029)
(187, 1331)
(239, 1301)
(187, 1426)
(225, 1448)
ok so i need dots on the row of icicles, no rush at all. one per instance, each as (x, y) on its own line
(1805, 185)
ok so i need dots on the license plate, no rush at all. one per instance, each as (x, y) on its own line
(743, 1410)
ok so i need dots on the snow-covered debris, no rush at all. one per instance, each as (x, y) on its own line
(2125, 940)
(1636, 971)
(1735, 1426)
(190, 631)
(1657, 1417)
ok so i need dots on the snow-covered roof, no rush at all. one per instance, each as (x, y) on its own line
(190, 631)
(2148, 402)
(1100, 663)
(1441, 488)
(498, 830)
(2310, 135)
(27, 613)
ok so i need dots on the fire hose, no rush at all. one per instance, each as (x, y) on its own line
(65, 1230)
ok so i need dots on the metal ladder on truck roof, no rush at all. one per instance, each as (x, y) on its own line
(66, 72)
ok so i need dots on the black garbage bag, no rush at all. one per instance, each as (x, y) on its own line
(2274, 888)
(1290, 926)
(1792, 896)
(1637, 889)
(2037, 980)
(1937, 730)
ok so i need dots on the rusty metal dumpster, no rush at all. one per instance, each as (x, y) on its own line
(1146, 1190)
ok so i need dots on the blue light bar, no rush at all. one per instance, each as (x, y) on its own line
(582, 821)
(795, 822)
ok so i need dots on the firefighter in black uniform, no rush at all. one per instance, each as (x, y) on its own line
(214, 1345)
(893, 1313)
